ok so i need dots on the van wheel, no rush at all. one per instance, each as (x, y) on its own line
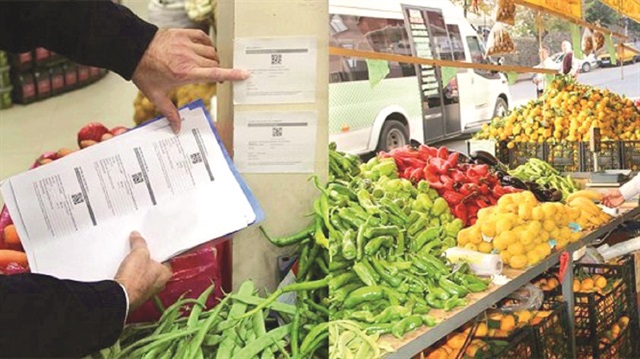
(586, 67)
(501, 108)
(394, 134)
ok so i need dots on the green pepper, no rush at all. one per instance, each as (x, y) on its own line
(413, 217)
(340, 294)
(400, 265)
(394, 209)
(360, 242)
(362, 315)
(434, 222)
(406, 325)
(379, 329)
(340, 280)
(372, 247)
(433, 301)
(426, 267)
(349, 245)
(395, 220)
(403, 287)
(394, 281)
(433, 194)
(425, 236)
(394, 296)
(418, 225)
(422, 203)
(439, 206)
(364, 294)
(441, 267)
(453, 302)
(386, 167)
(437, 291)
(429, 320)
(454, 227)
(428, 248)
(420, 308)
(452, 288)
(363, 273)
(392, 313)
(365, 262)
(371, 232)
(423, 186)
(350, 218)
(342, 190)
(393, 185)
(336, 264)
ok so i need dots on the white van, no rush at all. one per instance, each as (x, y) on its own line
(411, 101)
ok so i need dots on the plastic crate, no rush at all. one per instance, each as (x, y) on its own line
(550, 333)
(521, 345)
(609, 157)
(595, 313)
(631, 155)
(521, 153)
(565, 156)
(619, 348)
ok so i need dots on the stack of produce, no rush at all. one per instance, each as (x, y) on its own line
(145, 110)
(540, 173)
(566, 112)
(467, 187)
(521, 229)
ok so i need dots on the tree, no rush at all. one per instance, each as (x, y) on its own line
(597, 11)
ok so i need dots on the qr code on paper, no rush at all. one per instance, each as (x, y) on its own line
(196, 158)
(276, 132)
(276, 59)
(137, 178)
(77, 198)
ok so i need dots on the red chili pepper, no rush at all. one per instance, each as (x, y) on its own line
(441, 165)
(479, 170)
(484, 189)
(452, 160)
(436, 185)
(492, 200)
(460, 211)
(452, 197)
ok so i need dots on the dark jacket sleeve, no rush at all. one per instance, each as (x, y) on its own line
(567, 63)
(42, 316)
(92, 32)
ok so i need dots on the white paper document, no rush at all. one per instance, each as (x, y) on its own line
(283, 70)
(74, 215)
(275, 142)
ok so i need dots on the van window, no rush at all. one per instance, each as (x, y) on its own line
(476, 50)
(456, 42)
(367, 34)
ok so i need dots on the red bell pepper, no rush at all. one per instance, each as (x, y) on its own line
(484, 189)
(457, 175)
(460, 211)
(452, 160)
(452, 197)
(416, 174)
(499, 191)
(472, 210)
(473, 221)
(406, 173)
(443, 153)
(447, 182)
(481, 202)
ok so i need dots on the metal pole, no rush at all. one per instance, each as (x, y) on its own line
(567, 293)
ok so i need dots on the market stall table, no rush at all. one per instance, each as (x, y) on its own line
(416, 341)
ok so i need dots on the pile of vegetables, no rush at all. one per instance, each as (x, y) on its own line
(223, 331)
(467, 187)
(551, 185)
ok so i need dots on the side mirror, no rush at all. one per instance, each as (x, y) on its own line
(500, 61)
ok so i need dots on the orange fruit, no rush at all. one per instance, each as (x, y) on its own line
(482, 330)
(601, 282)
(456, 341)
(508, 323)
(623, 321)
(576, 285)
(587, 285)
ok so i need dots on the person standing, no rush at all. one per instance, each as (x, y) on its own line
(540, 79)
(567, 61)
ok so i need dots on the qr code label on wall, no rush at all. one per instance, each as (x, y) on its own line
(196, 158)
(77, 198)
(276, 59)
(137, 178)
(276, 132)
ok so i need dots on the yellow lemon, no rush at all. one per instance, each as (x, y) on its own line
(516, 248)
(527, 237)
(537, 213)
(505, 256)
(489, 229)
(524, 211)
(549, 225)
(485, 247)
(475, 236)
(471, 246)
(518, 261)
(463, 236)
(503, 225)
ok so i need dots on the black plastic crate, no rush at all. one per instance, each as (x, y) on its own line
(609, 157)
(522, 152)
(595, 313)
(620, 348)
(631, 155)
(565, 156)
(550, 333)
